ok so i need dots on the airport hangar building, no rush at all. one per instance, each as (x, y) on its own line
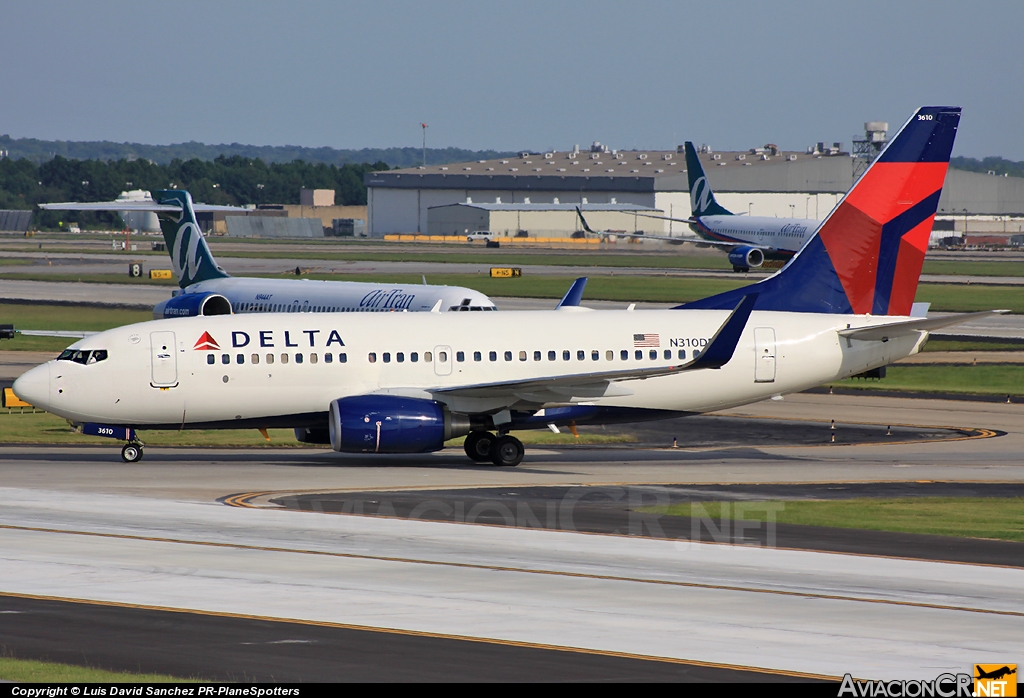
(536, 193)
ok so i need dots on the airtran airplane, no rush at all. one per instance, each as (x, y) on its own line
(208, 290)
(408, 382)
(749, 240)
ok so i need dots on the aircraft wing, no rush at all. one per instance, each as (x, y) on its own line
(134, 206)
(889, 330)
(67, 334)
(677, 239)
(718, 352)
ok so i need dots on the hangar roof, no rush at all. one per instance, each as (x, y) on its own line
(633, 170)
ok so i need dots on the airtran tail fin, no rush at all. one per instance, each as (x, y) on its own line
(190, 255)
(866, 257)
(702, 199)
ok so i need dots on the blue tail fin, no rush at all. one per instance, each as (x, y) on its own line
(190, 256)
(866, 257)
(702, 199)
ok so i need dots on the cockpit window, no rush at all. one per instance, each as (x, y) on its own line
(83, 356)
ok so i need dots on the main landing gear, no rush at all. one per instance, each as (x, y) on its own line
(483, 446)
(132, 452)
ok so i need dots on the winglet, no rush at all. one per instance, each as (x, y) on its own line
(722, 346)
(574, 295)
(437, 306)
(584, 221)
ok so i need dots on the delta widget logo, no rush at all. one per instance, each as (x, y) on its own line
(206, 343)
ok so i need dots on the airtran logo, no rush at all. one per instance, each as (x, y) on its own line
(393, 299)
(185, 255)
(700, 195)
(272, 338)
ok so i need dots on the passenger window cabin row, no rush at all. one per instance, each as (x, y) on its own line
(460, 356)
(298, 357)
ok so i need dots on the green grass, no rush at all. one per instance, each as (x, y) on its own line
(93, 278)
(11, 262)
(628, 289)
(623, 287)
(962, 517)
(973, 268)
(984, 379)
(552, 258)
(28, 671)
(950, 345)
(31, 316)
(961, 298)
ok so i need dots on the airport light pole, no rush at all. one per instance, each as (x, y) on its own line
(424, 127)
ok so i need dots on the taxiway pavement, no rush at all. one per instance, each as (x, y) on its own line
(78, 526)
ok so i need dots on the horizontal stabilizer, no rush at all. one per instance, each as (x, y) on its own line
(889, 330)
(67, 334)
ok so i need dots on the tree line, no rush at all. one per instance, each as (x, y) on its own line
(231, 180)
(39, 151)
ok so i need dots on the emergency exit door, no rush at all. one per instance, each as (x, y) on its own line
(764, 355)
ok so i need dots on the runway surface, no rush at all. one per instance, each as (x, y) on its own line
(480, 600)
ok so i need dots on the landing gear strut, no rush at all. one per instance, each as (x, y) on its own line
(132, 452)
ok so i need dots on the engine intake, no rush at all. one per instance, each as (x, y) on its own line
(392, 424)
(746, 257)
(191, 305)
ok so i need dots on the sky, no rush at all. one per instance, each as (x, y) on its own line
(528, 74)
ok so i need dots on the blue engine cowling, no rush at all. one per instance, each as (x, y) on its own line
(746, 256)
(392, 424)
(191, 305)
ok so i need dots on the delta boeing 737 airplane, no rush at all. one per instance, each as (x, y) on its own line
(749, 240)
(209, 290)
(408, 382)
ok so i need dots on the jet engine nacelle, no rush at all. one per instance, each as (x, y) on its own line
(746, 257)
(392, 424)
(191, 305)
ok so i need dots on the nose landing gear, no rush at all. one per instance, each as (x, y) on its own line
(132, 452)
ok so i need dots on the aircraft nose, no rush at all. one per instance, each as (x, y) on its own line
(33, 386)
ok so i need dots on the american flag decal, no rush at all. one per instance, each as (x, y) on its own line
(646, 340)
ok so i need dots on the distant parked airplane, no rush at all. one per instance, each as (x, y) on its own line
(208, 290)
(749, 240)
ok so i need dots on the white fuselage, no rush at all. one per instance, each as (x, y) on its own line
(275, 365)
(251, 295)
(784, 234)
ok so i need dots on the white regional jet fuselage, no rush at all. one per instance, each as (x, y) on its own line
(781, 236)
(284, 370)
(258, 295)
